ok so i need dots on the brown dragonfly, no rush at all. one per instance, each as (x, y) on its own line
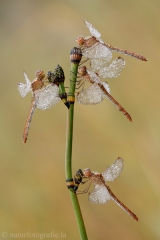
(99, 90)
(94, 47)
(102, 192)
(43, 97)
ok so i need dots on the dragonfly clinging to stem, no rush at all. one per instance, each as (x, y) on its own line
(43, 96)
(94, 47)
(102, 192)
(98, 90)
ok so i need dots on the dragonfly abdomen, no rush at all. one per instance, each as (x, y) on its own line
(29, 119)
(123, 51)
(120, 204)
(120, 108)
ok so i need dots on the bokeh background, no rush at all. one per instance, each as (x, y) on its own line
(38, 34)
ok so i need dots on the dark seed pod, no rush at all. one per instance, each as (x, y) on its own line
(75, 55)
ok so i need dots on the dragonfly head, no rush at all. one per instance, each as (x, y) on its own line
(80, 40)
(40, 74)
(87, 172)
(82, 70)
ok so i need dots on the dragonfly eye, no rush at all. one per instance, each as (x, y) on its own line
(82, 70)
(87, 172)
(80, 40)
(40, 74)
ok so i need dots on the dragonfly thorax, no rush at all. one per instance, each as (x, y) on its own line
(97, 178)
(37, 85)
(90, 42)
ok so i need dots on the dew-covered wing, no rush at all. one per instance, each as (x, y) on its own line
(99, 195)
(113, 70)
(98, 63)
(114, 170)
(92, 30)
(90, 96)
(98, 50)
(93, 76)
(24, 88)
(47, 97)
(106, 86)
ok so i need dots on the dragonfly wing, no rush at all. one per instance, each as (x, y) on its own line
(47, 97)
(106, 86)
(27, 79)
(114, 170)
(95, 78)
(92, 30)
(24, 88)
(98, 50)
(98, 63)
(90, 96)
(113, 70)
(99, 195)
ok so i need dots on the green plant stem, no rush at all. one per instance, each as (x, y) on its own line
(68, 156)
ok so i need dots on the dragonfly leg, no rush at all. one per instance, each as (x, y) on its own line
(83, 61)
(72, 81)
(82, 84)
(84, 182)
(73, 74)
(86, 190)
(79, 81)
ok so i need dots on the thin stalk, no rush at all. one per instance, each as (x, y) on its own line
(68, 155)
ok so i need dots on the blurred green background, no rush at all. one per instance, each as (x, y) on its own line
(39, 35)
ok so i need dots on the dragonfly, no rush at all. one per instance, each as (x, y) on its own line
(43, 96)
(99, 90)
(102, 192)
(94, 47)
